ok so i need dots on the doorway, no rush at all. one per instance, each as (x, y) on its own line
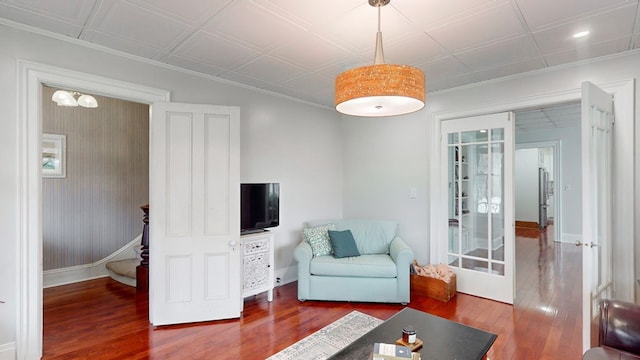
(94, 209)
(534, 177)
(623, 141)
(549, 138)
(33, 77)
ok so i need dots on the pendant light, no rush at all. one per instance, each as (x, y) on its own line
(380, 89)
(66, 98)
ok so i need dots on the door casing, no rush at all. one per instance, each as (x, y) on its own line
(623, 92)
(32, 77)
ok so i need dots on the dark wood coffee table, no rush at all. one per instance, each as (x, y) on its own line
(443, 339)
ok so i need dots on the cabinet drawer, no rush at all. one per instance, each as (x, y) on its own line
(257, 246)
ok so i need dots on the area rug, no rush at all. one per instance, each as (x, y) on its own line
(330, 339)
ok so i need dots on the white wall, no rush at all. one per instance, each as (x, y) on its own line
(526, 185)
(568, 184)
(384, 159)
(282, 140)
(301, 148)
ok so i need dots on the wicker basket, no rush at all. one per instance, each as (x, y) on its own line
(433, 288)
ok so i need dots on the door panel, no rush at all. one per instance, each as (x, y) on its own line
(478, 172)
(194, 227)
(217, 156)
(597, 210)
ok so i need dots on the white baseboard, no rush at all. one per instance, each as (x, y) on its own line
(286, 275)
(570, 238)
(73, 274)
(97, 269)
(8, 351)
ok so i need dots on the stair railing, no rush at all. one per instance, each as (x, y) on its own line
(142, 270)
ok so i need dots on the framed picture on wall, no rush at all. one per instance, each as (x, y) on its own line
(53, 156)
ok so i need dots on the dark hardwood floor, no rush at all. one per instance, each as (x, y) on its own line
(103, 319)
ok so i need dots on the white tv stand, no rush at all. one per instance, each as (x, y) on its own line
(257, 263)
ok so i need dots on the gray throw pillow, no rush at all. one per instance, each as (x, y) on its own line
(343, 244)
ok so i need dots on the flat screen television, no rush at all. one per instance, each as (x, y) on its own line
(259, 206)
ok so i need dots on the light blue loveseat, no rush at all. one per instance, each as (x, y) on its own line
(380, 274)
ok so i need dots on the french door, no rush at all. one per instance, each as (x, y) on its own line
(477, 170)
(597, 206)
(195, 218)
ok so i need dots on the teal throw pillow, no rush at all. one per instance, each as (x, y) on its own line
(318, 238)
(343, 244)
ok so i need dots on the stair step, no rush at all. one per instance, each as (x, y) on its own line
(124, 271)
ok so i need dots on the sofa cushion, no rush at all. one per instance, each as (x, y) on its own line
(371, 236)
(374, 266)
(318, 238)
(343, 244)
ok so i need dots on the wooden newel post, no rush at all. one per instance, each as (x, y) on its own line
(142, 270)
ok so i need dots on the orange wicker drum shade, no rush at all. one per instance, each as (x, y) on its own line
(380, 90)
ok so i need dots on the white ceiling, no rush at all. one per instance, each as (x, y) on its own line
(548, 118)
(297, 47)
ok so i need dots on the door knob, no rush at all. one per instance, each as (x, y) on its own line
(591, 244)
(232, 243)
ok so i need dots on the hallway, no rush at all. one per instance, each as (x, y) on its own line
(548, 294)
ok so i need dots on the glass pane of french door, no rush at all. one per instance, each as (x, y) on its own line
(476, 200)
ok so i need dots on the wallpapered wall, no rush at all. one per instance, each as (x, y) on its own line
(95, 209)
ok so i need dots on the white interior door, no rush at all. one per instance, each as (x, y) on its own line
(194, 225)
(477, 173)
(597, 205)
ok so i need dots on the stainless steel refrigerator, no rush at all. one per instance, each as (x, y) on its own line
(543, 197)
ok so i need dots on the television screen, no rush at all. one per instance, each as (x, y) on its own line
(259, 206)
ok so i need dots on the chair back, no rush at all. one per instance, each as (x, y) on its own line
(620, 325)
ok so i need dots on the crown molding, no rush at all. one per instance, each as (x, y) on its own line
(545, 70)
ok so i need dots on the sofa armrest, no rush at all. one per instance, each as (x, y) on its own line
(620, 325)
(401, 253)
(303, 254)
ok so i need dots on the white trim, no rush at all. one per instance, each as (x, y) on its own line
(73, 274)
(624, 101)
(623, 188)
(538, 72)
(31, 77)
(8, 351)
(557, 179)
